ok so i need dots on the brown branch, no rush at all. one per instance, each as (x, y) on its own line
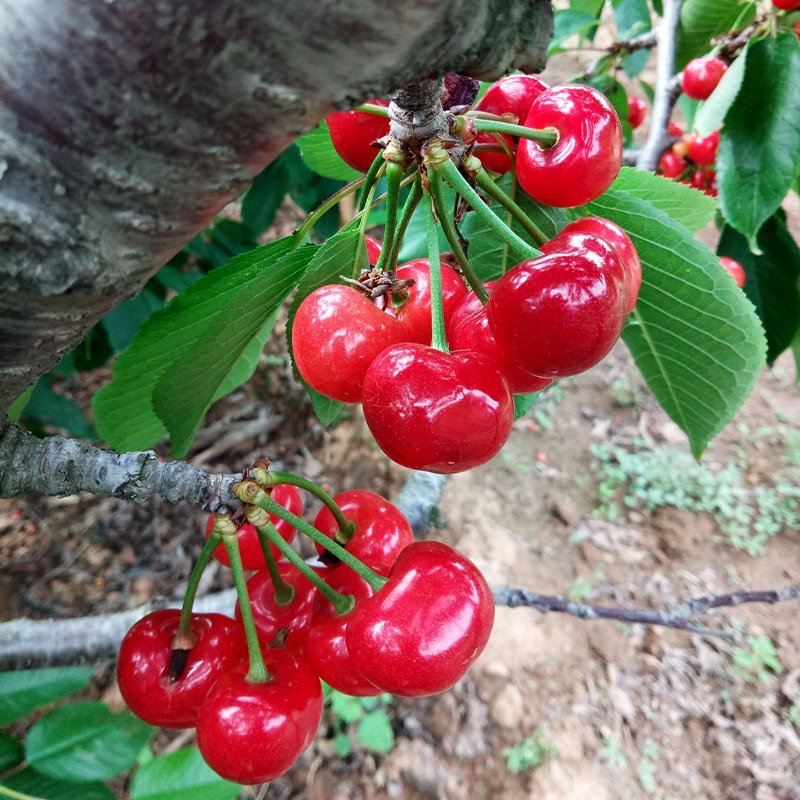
(644, 41)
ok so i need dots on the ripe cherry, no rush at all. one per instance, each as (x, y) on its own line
(703, 149)
(701, 76)
(374, 248)
(381, 529)
(560, 314)
(253, 732)
(786, 5)
(674, 129)
(270, 616)
(734, 269)
(698, 179)
(415, 313)
(510, 95)
(353, 132)
(337, 334)
(435, 411)
(469, 330)
(637, 110)
(421, 632)
(326, 647)
(671, 165)
(249, 546)
(587, 156)
(143, 666)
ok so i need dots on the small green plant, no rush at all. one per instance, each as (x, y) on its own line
(582, 587)
(758, 661)
(612, 753)
(647, 766)
(373, 728)
(529, 754)
(546, 404)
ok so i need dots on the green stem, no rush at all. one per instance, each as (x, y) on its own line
(450, 172)
(346, 526)
(15, 795)
(547, 137)
(258, 669)
(494, 191)
(362, 228)
(378, 200)
(371, 179)
(185, 624)
(439, 337)
(405, 217)
(284, 592)
(369, 108)
(448, 226)
(394, 176)
(263, 500)
(342, 603)
(314, 216)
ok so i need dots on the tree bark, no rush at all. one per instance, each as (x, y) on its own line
(125, 126)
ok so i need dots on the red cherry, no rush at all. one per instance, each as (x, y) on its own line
(381, 529)
(249, 546)
(374, 248)
(734, 269)
(469, 330)
(674, 129)
(511, 95)
(337, 334)
(671, 165)
(254, 732)
(712, 190)
(326, 647)
(698, 179)
(703, 149)
(620, 241)
(270, 616)
(560, 314)
(353, 132)
(701, 76)
(637, 110)
(415, 314)
(440, 412)
(143, 666)
(588, 155)
(421, 632)
(796, 30)
(786, 5)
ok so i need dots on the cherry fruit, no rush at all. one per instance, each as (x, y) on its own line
(637, 110)
(374, 248)
(701, 76)
(672, 165)
(703, 149)
(353, 132)
(674, 129)
(734, 269)
(786, 5)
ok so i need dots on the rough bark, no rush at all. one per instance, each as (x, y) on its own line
(125, 126)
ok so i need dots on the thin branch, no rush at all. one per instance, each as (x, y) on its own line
(644, 41)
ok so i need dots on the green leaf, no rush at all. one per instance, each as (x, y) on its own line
(18, 406)
(568, 22)
(12, 753)
(265, 195)
(415, 242)
(689, 108)
(694, 336)
(632, 18)
(122, 322)
(523, 403)
(702, 20)
(85, 742)
(34, 785)
(342, 745)
(592, 7)
(48, 406)
(329, 412)
(712, 112)
(375, 731)
(772, 280)
(759, 149)
(346, 707)
(182, 775)
(22, 692)
(317, 151)
(215, 351)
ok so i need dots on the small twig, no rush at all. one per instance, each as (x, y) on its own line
(644, 41)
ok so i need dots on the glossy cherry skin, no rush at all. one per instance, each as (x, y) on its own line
(671, 165)
(620, 241)
(698, 180)
(353, 132)
(326, 646)
(337, 334)
(435, 411)
(510, 95)
(374, 248)
(703, 149)
(249, 546)
(421, 632)
(415, 314)
(254, 732)
(701, 76)
(674, 129)
(560, 314)
(786, 5)
(381, 529)
(142, 669)
(588, 155)
(637, 110)
(269, 616)
(469, 330)
(734, 269)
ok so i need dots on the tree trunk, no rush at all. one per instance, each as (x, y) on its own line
(125, 125)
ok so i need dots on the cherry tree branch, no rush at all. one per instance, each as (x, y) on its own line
(644, 41)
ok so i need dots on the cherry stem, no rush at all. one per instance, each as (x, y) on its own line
(378, 200)
(361, 253)
(378, 111)
(185, 624)
(394, 176)
(439, 335)
(314, 216)
(346, 526)
(251, 493)
(449, 170)
(494, 191)
(436, 189)
(342, 603)
(405, 217)
(371, 179)
(257, 673)
(506, 149)
(284, 592)
(546, 137)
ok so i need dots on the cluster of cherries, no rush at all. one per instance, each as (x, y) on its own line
(413, 632)
(547, 318)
